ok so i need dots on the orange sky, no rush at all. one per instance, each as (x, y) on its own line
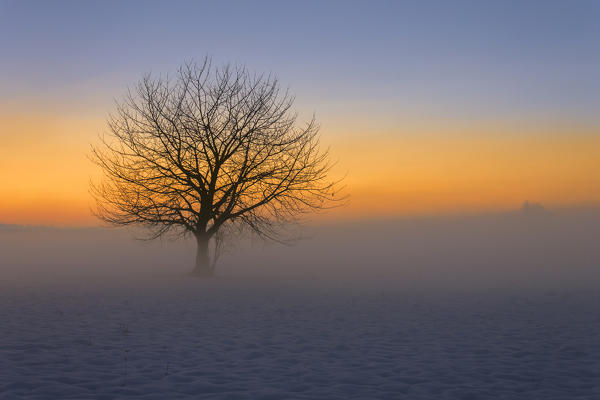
(417, 168)
(454, 107)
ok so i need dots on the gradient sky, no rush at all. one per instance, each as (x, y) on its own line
(430, 107)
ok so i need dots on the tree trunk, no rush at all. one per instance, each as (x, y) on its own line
(203, 265)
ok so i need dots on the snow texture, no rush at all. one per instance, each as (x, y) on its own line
(235, 339)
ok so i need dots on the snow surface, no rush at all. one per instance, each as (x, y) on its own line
(241, 339)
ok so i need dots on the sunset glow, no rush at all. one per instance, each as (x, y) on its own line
(454, 122)
(414, 171)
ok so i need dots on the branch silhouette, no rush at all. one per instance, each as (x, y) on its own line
(210, 152)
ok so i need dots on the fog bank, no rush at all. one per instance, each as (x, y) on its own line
(521, 249)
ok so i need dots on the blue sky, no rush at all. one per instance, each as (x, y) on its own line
(431, 107)
(494, 59)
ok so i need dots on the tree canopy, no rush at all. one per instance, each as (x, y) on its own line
(208, 150)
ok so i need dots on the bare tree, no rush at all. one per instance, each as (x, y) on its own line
(210, 152)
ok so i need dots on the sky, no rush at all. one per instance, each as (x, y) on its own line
(429, 107)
